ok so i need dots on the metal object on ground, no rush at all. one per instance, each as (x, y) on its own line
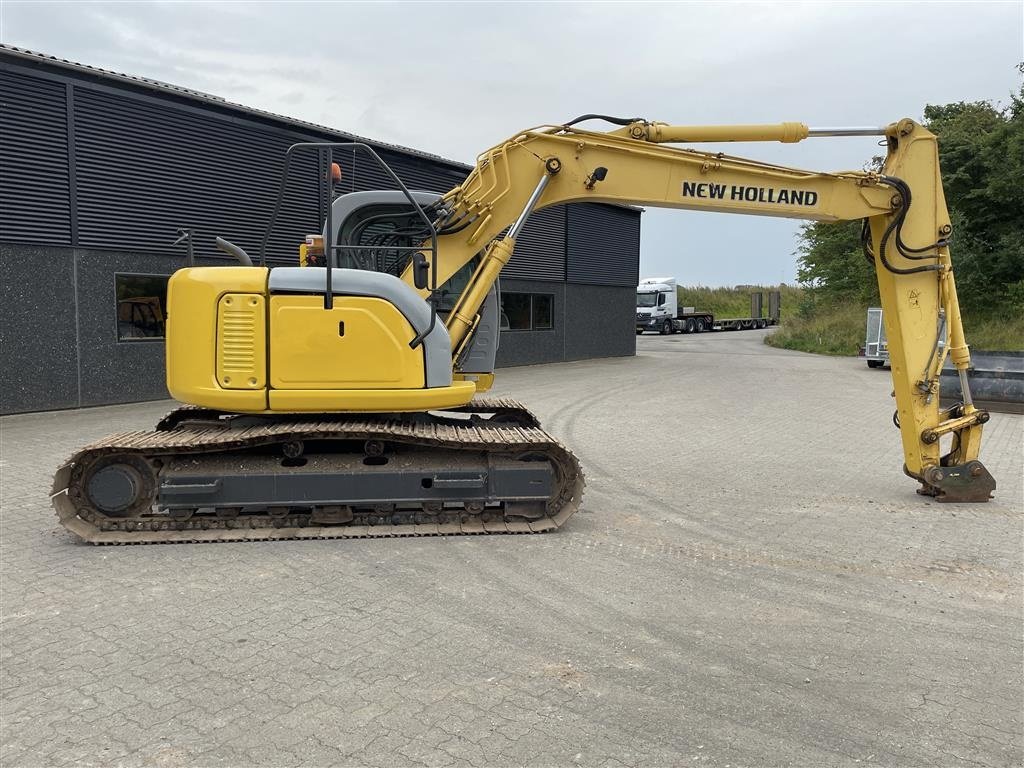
(996, 381)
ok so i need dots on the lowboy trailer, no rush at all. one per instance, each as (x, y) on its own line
(657, 309)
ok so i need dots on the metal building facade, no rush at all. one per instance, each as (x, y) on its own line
(98, 170)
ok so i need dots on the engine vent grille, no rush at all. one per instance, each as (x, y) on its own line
(241, 342)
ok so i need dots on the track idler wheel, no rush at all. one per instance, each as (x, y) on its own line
(120, 486)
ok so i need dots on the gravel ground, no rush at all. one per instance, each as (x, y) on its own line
(751, 581)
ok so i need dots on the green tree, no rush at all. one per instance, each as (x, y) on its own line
(981, 154)
(832, 266)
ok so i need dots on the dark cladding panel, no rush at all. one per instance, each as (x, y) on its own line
(38, 363)
(35, 202)
(599, 321)
(132, 368)
(603, 245)
(528, 347)
(145, 169)
(360, 171)
(417, 173)
(540, 249)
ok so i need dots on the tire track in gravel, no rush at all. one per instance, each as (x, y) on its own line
(727, 544)
(571, 622)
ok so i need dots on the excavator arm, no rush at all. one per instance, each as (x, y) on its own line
(906, 237)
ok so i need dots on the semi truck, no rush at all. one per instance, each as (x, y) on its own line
(657, 309)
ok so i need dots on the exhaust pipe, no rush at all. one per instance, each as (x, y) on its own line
(233, 250)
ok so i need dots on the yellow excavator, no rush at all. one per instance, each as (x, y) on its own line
(340, 400)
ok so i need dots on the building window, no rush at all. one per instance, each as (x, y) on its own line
(448, 294)
(542, 310)
(141, 300)
(527, 311)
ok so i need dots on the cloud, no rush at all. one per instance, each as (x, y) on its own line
(456, 78)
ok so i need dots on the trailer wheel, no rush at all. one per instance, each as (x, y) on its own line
(762, 323)
(700, 325)
(666, 328)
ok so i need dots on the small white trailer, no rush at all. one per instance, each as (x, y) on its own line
(876, 346)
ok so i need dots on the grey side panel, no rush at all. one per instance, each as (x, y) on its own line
(437, 349)
(360, 282)
(479, 357)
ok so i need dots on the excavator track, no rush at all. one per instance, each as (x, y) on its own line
(485, 468)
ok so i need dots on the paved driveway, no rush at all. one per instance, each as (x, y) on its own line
(751, 581)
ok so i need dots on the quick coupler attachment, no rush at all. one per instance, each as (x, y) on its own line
(958, 483)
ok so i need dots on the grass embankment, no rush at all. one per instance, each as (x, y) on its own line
(839, 330)
(735, 302)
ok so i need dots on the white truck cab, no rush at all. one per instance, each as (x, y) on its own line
(656, 305)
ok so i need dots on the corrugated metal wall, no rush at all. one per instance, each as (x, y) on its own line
(145, 169)
(34, 188)
(603, 245)
(540, 249)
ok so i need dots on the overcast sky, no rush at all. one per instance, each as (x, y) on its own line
(456, 78)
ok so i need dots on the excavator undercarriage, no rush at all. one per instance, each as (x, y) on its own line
(202, 475)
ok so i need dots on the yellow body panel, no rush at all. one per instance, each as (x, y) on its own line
(371, 400)
(193, 304)
(361, 343)
(483, 381)
(242, 346)
(219, 354)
